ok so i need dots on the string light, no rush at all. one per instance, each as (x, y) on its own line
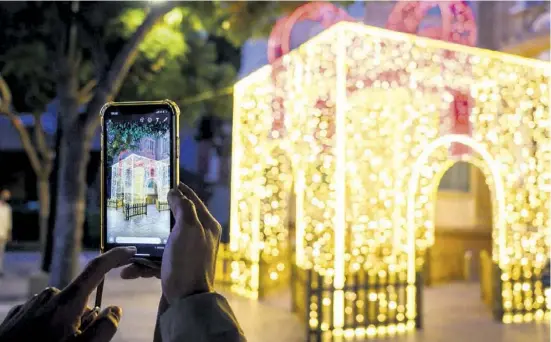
(365, 194)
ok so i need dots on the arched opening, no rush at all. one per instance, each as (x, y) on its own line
(458, 273)
(151, 191)
(427, 173)
(462, 227)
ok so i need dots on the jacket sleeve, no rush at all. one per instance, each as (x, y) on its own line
(205, 317)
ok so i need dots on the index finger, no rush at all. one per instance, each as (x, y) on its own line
(95, 271)
(182, 208)
(202, 211)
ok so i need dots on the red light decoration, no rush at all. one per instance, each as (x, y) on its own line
(325, 13)
(458, 25)
(279, 44)
(460, 110)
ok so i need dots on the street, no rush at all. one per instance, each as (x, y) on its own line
(453, 313)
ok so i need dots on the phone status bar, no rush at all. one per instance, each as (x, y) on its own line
(158, 116)
(150, 120)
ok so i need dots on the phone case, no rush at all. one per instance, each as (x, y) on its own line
(176, 147)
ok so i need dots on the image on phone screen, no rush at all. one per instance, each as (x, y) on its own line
(137, 178)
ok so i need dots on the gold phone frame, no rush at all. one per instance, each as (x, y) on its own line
(175, 158)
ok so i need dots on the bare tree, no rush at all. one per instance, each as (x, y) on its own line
(39, 153)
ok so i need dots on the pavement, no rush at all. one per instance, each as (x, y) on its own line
(453, 313)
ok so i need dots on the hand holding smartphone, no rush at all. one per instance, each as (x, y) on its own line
(140, 164)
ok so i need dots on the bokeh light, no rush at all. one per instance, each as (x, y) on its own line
(366, 116)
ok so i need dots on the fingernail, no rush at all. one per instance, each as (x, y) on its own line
(45, 295)
(132, 249)
(117, 311)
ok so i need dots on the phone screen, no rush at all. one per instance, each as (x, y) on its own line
(139, 160)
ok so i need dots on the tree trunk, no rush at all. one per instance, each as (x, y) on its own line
(71, 206)
(74, 153)
(43, 188)
(48, 250)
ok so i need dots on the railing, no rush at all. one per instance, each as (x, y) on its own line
(468, 265)
(136, 209)
(161, 206)
(115, 203)
(365, 296)
(486, 281)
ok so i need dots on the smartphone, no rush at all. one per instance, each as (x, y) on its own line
(140, 163)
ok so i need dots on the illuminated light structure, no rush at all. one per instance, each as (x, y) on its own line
(269, 266)
(279, 44)
(458, 25)
(364, 196)
(133, 175)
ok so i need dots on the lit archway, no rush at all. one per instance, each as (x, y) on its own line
(499, 197)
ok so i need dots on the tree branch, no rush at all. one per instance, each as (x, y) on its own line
(42, 144)
(26, 141)
(110, 84)
(86, 93)
(5, 93)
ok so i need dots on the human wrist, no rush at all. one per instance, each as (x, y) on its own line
(186, 294)
(174, 291)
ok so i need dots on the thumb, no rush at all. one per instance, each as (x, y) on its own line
(103, 328)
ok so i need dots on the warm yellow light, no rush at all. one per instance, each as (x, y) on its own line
(174, 17)
(360, 158)
(499, 196)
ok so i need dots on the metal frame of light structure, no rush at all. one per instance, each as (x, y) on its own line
(376, 121)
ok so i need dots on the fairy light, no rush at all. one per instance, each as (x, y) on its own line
(234, 220)
(340, 187)
(299, 219)
(376, 222)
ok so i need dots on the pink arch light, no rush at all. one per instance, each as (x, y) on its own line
(325, 13)
(458, 26)
(458, 21)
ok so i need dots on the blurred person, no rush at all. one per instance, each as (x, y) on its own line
(546, 275)
(5, 226)
(189, 309)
